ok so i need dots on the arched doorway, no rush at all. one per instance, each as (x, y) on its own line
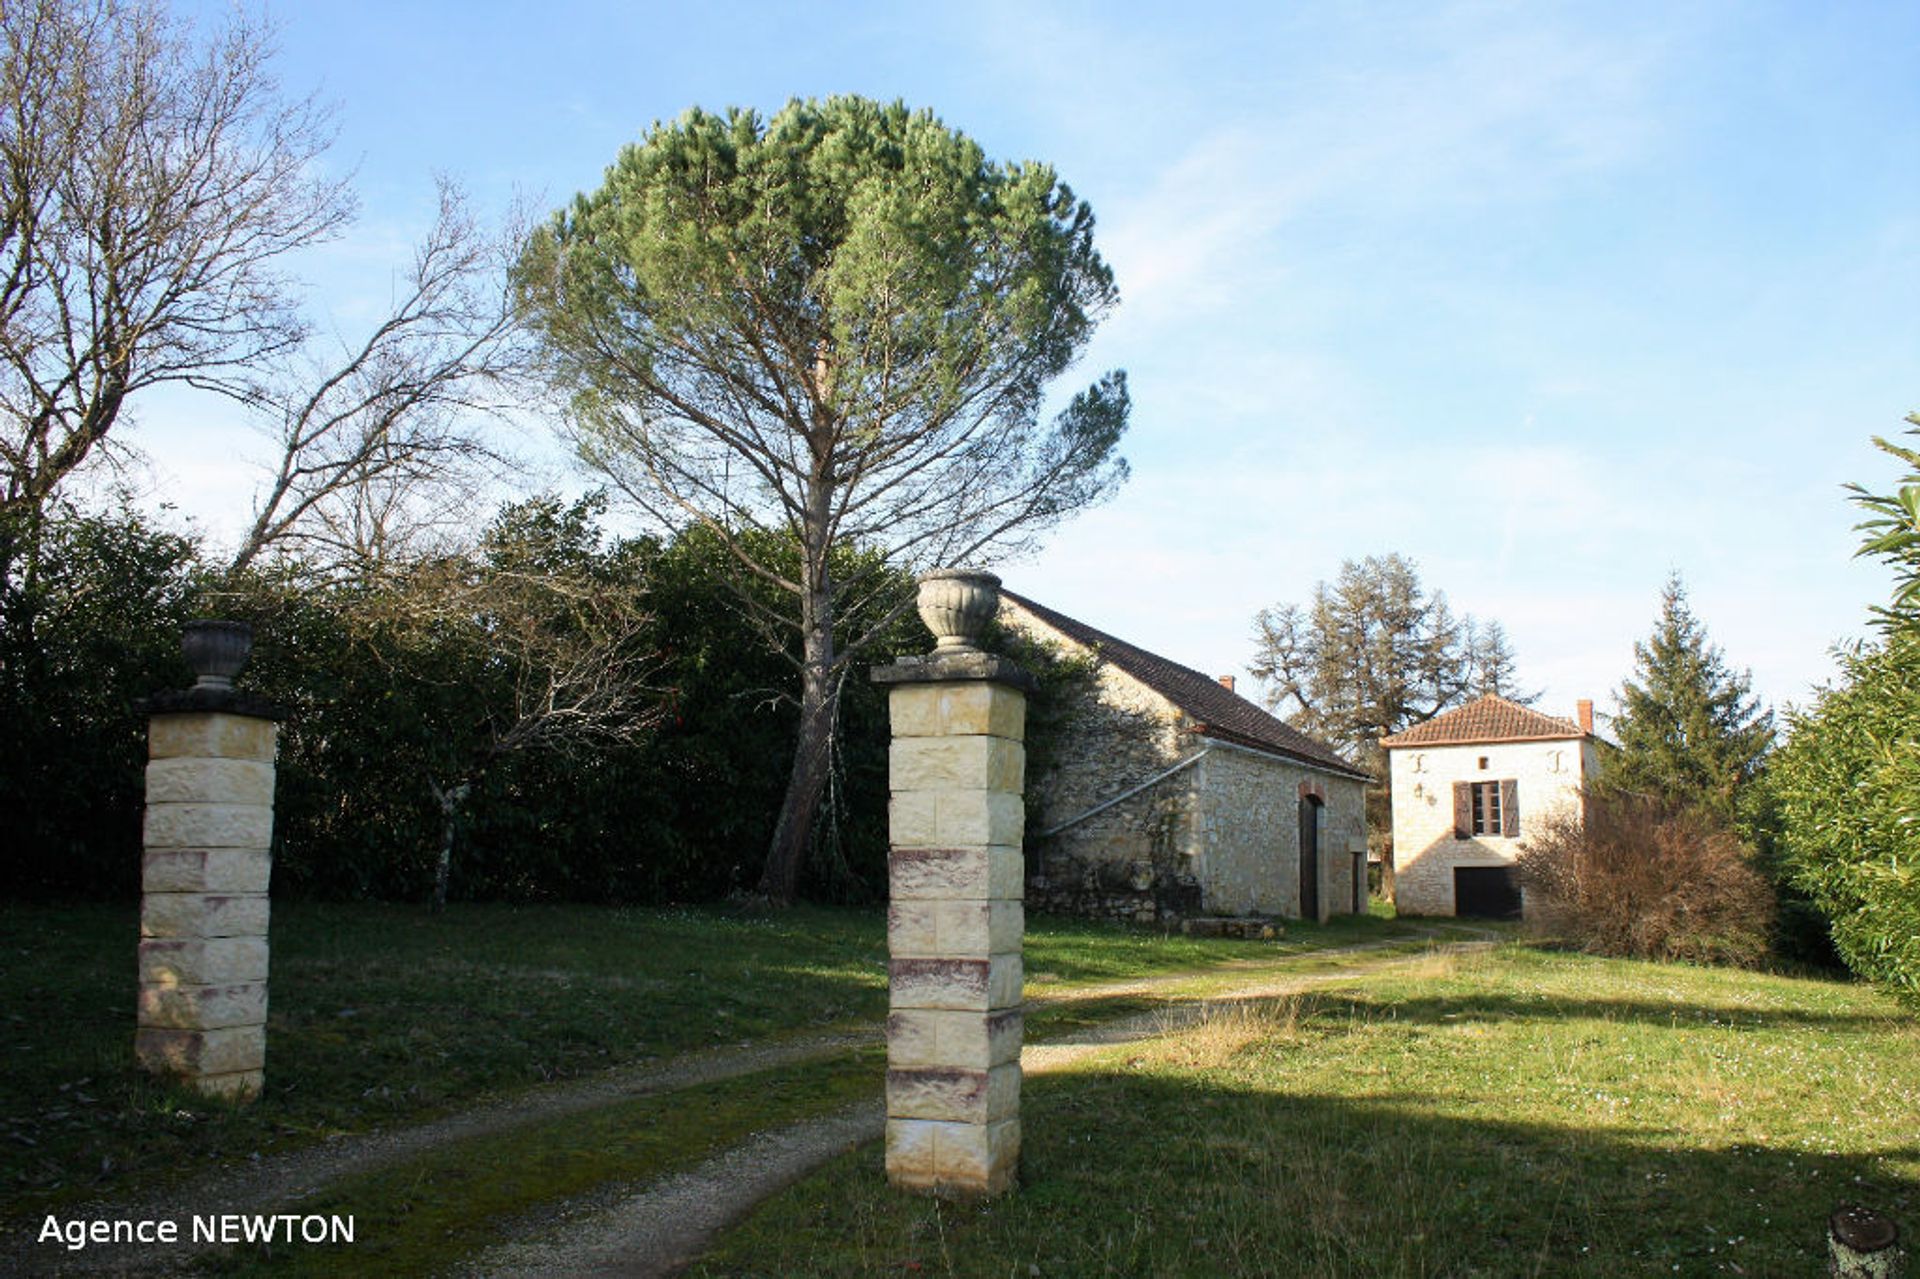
(1309, 857)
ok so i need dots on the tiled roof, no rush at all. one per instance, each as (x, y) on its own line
(1220, 712)
(1488, 718)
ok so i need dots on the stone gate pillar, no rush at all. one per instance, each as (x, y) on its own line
(204, 869)
(955, 918)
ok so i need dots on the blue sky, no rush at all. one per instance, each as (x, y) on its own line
(1553, 299)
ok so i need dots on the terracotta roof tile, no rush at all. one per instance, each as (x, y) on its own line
(1489, 718)
(1221, 712)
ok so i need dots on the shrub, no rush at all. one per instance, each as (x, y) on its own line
(1845, 791)
(1645, 878)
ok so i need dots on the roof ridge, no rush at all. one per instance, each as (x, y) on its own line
(1490, 717)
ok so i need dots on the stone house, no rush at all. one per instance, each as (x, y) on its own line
(1468, 787)
(1171, 796)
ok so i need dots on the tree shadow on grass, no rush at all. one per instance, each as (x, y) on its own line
(1680, 1014)
(1136, 1173)
(1346, 1133)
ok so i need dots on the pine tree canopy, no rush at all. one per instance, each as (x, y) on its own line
(1689, 728)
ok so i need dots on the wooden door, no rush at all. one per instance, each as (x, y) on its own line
(1309, 859)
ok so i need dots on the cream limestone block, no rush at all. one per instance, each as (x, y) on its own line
(972, 707)
(955, 763)
(955, 874)
(213, 961)
(191, 915)
(1003, 1092)
(1006, 927)
(1003, 981)
(210, 733)
(209, 826)
(956, 929)
(185, 780)
(1007, 874)
(918, 1037)
(242, 1085)
(949, 818)
(1001, 820)
(978, 1158)
(948, 1093)
(911, 1155)
(931, 929)
(203, 1007)
(955, 1094)
(978, 985)
(206, 870)
(201, 1052)
(960, 984)
(913, 819)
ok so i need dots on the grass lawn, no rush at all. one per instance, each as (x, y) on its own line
(1518, 1112)
(380, 1014)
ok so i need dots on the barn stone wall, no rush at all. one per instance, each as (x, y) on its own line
(1249, 834)
(1132, 861)
(1219, 836)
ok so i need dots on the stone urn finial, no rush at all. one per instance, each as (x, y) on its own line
(956, 604)
(216, 651)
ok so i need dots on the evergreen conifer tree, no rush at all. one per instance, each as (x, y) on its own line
(1689, 727)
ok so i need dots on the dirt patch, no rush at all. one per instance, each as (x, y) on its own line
(281, 1182)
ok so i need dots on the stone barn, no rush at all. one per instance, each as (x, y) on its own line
(1468, 787)
(1170, 796)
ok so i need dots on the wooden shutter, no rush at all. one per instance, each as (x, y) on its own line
(1510, 808)
(1463, 810)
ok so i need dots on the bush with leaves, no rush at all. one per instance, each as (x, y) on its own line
(1645, 878)
(1845, 789)
(400, 685)
(89, 625)
(1843, 793)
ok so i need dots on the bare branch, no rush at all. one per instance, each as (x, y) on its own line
(151, 182)
(385, 443)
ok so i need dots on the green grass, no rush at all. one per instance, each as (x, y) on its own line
(1062, 953)
(1513, 1113)
(384, 1014)
(379, 1014)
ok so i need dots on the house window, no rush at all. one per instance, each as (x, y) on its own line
(1486, 808)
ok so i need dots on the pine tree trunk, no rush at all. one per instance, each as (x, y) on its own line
(811, 756)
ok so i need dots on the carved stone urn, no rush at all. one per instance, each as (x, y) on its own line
(216, 651)
(956, 604)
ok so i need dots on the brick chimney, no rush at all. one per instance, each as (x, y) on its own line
(1584, 708)
(1226, 682)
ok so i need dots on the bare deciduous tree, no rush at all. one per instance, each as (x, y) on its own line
(152, 179)
(380, 445)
